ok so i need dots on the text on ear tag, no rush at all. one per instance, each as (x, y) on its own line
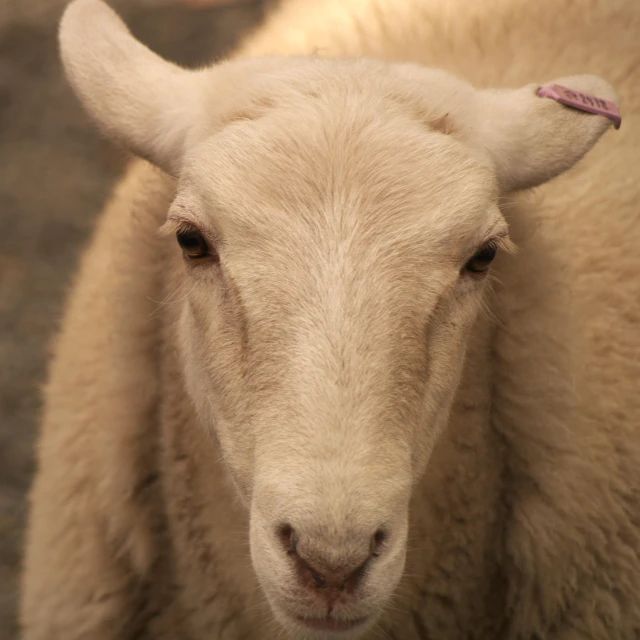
(582, 102)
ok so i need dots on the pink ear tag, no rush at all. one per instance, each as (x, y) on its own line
(582, 102)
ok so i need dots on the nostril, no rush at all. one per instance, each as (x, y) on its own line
(378, 541)
(319, 581)
(286, 534)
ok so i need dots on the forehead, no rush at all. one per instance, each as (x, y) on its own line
(338, 166)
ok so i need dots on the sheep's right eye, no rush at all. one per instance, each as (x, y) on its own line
(193, 244)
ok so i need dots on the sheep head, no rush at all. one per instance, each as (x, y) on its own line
(338, 219)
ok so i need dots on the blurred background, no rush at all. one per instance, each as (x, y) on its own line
(55, 174)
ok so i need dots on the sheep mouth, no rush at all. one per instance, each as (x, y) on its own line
(330, 624)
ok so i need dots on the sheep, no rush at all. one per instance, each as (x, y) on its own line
(384, 384)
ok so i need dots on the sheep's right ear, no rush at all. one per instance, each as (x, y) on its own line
(142, 101)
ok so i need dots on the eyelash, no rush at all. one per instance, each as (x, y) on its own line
(195, 246)
(478, 265)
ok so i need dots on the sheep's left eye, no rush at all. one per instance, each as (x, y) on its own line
(479, 264)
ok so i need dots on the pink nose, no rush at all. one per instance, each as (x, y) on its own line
(317, 575)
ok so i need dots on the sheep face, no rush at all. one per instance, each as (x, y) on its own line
(337, 221)
(343, 256)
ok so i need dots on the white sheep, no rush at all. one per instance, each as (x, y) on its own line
(328, 415)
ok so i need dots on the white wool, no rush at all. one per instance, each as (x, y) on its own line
(466, 445)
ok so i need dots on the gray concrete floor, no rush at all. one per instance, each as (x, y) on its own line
(55, 173)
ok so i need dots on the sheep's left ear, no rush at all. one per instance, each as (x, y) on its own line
(532, 138)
